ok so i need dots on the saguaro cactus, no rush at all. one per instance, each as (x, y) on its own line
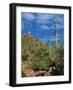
(56, 36)
(61, 41)
(53, 41)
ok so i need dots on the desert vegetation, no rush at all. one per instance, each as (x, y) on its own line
(40, 58)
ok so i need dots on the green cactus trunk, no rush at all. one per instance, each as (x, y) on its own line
(56, 41)
(53, 41)
(56, 36)
(61, 41)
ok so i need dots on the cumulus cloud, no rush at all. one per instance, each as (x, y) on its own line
(56, 26)
(28, 16)
(44, 18)
(59, 19)
(45, 27)
(59, 26)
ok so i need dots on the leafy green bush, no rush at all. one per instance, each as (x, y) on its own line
(41, 60)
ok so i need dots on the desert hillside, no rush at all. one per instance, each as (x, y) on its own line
(40, 58)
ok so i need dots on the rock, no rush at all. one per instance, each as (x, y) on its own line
(27, 71)
(50, 72)
(40, 73)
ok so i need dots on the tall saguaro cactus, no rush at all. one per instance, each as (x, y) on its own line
(53, 41)
(61, 41)
(56, 36)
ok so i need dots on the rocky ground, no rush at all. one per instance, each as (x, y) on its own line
(51, 71)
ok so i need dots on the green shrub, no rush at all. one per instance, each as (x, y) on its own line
(41, 60)
(42, 55)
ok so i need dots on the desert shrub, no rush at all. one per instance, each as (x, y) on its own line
(24, 57)
(41, 56)
(60, 67)
(61, 51)
(41, 60)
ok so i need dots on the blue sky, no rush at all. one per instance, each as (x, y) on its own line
(42, 25)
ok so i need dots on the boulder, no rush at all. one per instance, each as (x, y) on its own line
(27, 71)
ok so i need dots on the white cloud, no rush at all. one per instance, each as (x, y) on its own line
(41, 21)
(58, 26)
(28, 16)
(45, 27)
(44, 18)
(59, 19)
